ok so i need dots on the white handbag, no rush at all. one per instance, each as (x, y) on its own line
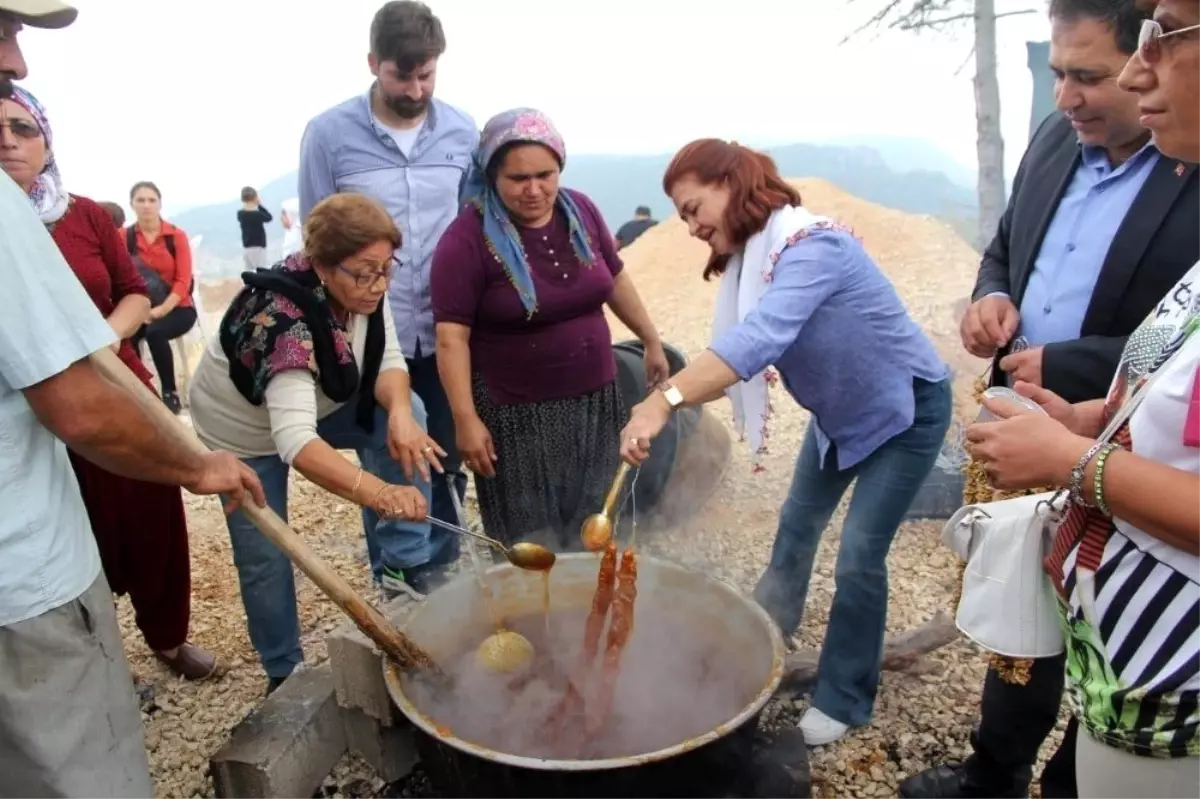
(1008, 604)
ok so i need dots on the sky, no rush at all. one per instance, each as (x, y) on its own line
(205, 97)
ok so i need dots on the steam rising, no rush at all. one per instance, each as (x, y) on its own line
(677, 681)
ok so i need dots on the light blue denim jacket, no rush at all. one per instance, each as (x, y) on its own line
(842, 341)
(346, 149)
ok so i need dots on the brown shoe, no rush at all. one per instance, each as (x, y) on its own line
(192, 663)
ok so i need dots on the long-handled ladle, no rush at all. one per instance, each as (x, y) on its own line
(523, 554)
(597, 529)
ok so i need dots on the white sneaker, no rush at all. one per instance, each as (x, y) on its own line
(819, 729)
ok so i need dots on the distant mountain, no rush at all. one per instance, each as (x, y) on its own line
(908, 154)
(619, 183)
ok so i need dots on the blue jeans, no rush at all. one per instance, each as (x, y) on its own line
(265, 573)
(888, 481)
(423, 376)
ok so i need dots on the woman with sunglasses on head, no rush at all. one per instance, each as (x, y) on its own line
(140, 527)
(164, 252)
(1126, 559)
(307, 363)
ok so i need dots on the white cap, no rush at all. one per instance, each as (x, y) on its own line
(41, 13)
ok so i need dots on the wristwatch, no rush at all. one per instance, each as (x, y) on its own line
(673, 396)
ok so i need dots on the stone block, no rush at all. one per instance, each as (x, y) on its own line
(390, 750)
(287, 746)
(358, 666)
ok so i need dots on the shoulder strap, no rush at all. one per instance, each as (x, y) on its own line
(131, 241)
(1126, 411)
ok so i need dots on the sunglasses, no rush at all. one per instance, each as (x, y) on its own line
(1150, 39)
(367, 279)
(22, 129)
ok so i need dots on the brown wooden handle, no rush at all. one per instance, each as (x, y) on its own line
(373, 624)
(610, 502)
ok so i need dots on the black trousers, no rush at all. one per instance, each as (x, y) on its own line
(158, 335)
(1014, 723)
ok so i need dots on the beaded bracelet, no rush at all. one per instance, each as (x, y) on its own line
(1098, 479)
(1075, 484)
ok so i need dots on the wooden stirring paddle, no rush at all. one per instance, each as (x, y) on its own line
(395, 644)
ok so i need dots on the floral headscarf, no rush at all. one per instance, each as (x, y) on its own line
(519, 125)
(49, 198)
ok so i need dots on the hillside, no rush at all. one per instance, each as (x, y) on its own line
(618, 184)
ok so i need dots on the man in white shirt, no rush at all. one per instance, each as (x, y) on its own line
(69, 725)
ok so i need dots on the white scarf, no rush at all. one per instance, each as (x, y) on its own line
(743, 284)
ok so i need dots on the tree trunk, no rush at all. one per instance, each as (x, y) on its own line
(989, 143)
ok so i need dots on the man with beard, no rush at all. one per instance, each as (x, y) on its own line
(407, 149)
(69, 725)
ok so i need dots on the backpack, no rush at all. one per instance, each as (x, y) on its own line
(155, 285)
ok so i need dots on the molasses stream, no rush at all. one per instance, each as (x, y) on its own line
(395, 644)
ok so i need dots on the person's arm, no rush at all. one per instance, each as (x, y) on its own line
(1161, 500)
(181, 287)
(316, 172)
(264, 213)
(1089, 418)
(994, 267)
(624, 300)
(454, 368)
(291, 400)
(128, 289)
(806, 275)
(456, 284)
(627, 306)
(393, 390)
(106, 423)
(1081, 369)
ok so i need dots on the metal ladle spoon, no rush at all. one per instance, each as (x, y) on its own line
(523, 554)
(597, 529)
(505, 652)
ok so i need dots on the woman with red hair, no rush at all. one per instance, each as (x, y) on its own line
(800, 294)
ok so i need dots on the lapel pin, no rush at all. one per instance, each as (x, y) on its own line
(1179, 170)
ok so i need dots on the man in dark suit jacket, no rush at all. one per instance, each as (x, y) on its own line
(1098, 228)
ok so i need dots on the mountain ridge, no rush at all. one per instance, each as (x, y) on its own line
(619, 183)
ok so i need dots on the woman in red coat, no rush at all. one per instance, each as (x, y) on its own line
(140, 527)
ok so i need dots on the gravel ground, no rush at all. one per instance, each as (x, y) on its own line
(921, 718)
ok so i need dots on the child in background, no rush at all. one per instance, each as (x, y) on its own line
(253, 218)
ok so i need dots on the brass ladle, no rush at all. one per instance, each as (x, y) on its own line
(523, 554)
(597, 529)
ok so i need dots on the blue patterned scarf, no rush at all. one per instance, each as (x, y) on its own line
(503, 239)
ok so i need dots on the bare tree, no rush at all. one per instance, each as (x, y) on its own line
(940, 15)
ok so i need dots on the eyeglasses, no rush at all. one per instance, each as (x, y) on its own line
(22, 129)
(1150, 39)
(366, 280)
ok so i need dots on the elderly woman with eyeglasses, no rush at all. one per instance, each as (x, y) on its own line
(307, 363)
(1126, 559)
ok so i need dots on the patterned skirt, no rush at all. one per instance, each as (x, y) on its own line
(556, 461)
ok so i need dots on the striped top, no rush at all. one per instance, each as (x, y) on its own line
(1131, 602)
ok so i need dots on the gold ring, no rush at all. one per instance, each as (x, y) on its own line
(427, 450)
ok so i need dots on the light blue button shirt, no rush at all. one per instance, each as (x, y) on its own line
(346, 149)
(48, 556)
(1077, 240)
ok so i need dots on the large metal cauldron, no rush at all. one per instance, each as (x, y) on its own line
(712, 764)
